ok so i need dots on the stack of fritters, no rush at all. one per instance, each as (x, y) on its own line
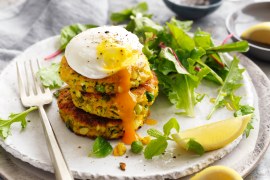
(88, 106)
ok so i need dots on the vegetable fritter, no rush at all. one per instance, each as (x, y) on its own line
(86, 124)
(105, 105)
(140, 73)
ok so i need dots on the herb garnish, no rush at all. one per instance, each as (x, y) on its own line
(101, 148)
(49, 76)
(5, 125)
(158, 146)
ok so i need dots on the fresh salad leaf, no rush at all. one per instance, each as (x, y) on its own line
(155, 147)
(185, 25)
(231, 83)
(182, 94)
(140, 25)
(240, 46)
(49, 76)
(101, 148)
(248, 129)
(126, 14)
(203, 39)
(171, 62)
(244, 110)
(68, 32)
(5, 125)
(194, 146)
(154, 132)
(171, 124)
(183, 40)
(158, 146)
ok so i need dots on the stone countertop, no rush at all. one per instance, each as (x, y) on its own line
(214, 23)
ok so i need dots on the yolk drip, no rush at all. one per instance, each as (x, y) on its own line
(126, 104)
(115, 56)
(151, 121)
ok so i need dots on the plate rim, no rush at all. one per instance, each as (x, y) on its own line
(263, 140)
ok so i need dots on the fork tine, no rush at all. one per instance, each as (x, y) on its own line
(28, 79)
(20, 81)
(37, 86)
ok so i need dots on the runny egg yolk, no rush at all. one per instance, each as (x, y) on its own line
(126, 104)
(114, 55)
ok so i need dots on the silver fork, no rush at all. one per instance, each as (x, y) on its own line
(34, 95)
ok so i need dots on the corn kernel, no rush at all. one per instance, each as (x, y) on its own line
(145, 140)
(119, 150)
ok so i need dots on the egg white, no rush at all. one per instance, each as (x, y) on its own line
(81, 51)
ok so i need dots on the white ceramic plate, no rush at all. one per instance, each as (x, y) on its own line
(29, 145)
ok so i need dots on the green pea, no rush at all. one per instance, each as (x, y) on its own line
(136, 147)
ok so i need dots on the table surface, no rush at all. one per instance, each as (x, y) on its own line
(215, 24)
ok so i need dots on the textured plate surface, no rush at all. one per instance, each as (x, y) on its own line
(30, 146)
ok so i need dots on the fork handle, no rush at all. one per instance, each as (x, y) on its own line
(60, 166)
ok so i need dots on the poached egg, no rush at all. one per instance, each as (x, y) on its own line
(100, 52)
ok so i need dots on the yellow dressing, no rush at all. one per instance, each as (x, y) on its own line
(151, 122)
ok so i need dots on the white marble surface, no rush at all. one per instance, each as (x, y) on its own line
(215, 24)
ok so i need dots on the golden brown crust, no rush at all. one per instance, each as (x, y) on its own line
(83, 123)
(140, 73)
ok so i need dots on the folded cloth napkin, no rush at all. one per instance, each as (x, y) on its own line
(25, 22)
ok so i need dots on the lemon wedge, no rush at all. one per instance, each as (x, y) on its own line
(215, 135)
(217, 172)
(259, 33)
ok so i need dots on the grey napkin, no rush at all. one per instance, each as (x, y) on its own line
(28, 21)
(25, 22)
